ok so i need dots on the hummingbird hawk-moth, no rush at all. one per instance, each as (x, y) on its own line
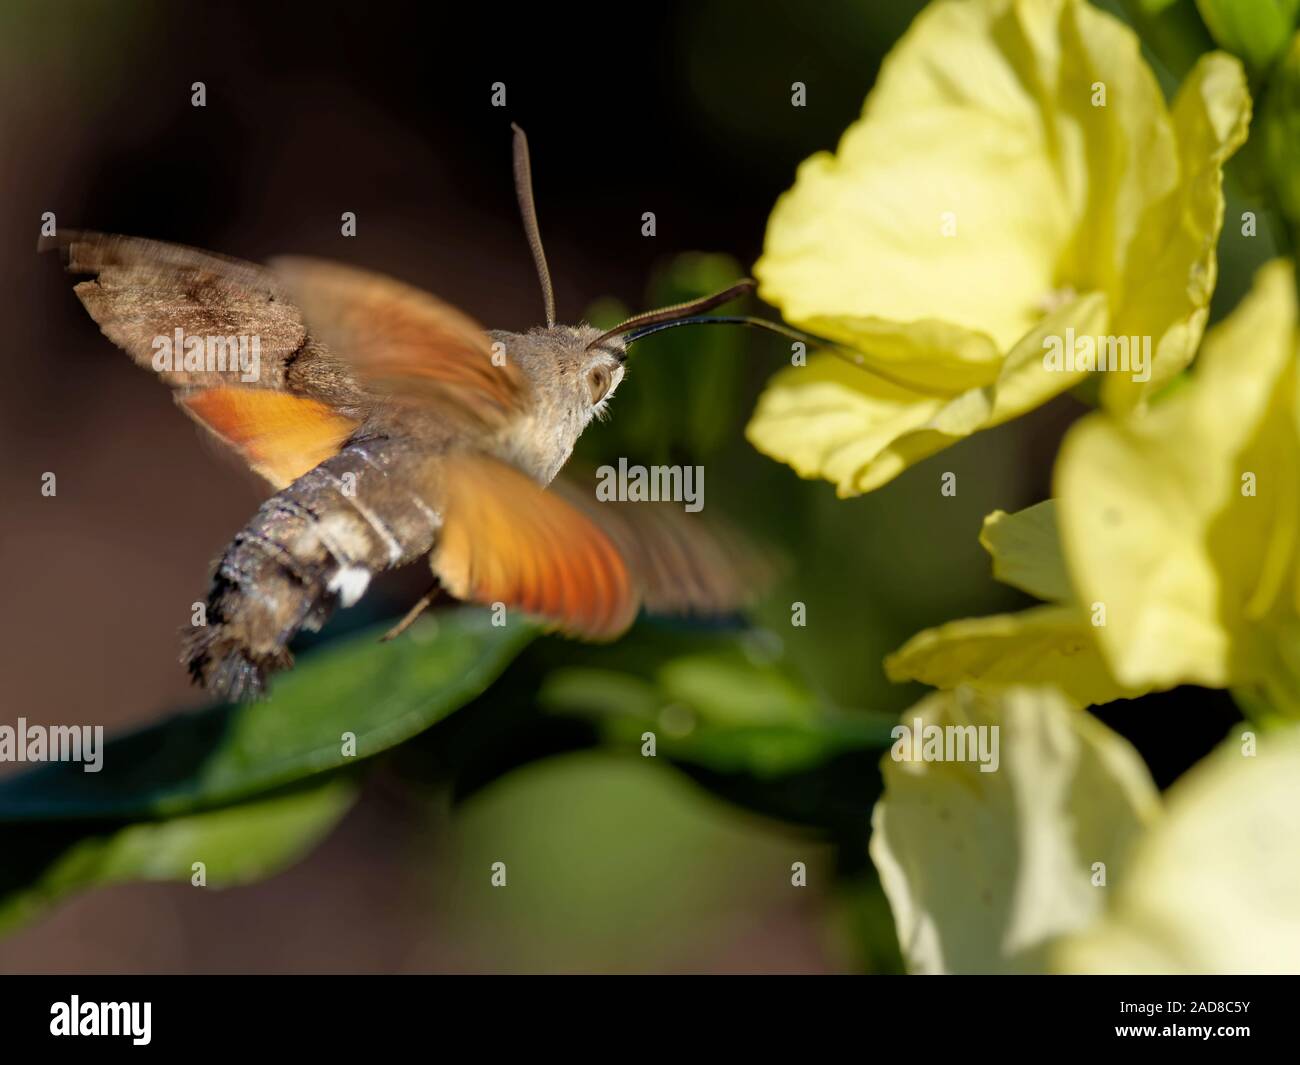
(393, 427)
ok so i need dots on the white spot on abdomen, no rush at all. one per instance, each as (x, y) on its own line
(349, 583)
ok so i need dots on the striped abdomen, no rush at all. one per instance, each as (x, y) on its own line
(311, 547)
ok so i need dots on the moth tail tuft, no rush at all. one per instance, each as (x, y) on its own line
(221, 662)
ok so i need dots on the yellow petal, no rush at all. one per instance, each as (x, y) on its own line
(982, 177)
(1066, 79)
(1214, 887)
(1172, 269)
(1154, 519)
(1015, 156)
(984, 870)
(946, 215)
(834, 420)
(931, 356)
(830, 419)
(1047, 645)
(1026, 550)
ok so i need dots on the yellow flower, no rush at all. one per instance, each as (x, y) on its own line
(1015, 174)
(1182, 524)
(1177, 558)
(1052, 644)
(1066, 860)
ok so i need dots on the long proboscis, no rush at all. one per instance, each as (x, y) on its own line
(730, 319)
(528, 208)
(676, 313)
(853, 358)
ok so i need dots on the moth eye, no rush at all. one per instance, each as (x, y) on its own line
(597, 383)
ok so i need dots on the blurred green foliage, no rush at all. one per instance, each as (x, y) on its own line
(719, 710)
(1279, 125)
(610, 861)
(379, 693)
(684, 394)
(1257, 31)
(234, 845)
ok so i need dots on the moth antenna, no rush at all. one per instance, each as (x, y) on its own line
(678, 312)
(853, 358)
(527, 208)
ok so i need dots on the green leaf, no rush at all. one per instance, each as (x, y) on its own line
(1256, 30)
(382, 693)
(1280, 133)
(726, 710)
(43, 864)
(732, 687)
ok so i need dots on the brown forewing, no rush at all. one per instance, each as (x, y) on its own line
(140, 290)
(335, 338)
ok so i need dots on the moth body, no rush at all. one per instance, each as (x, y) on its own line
(392, 427)
(311, 547)
(316, 544)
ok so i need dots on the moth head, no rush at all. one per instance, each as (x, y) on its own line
(569, 387)
(571, 382)
(574, 370)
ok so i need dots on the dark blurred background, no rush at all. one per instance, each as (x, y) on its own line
(678, 108)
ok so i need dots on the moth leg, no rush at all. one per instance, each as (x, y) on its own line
(421, 605)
